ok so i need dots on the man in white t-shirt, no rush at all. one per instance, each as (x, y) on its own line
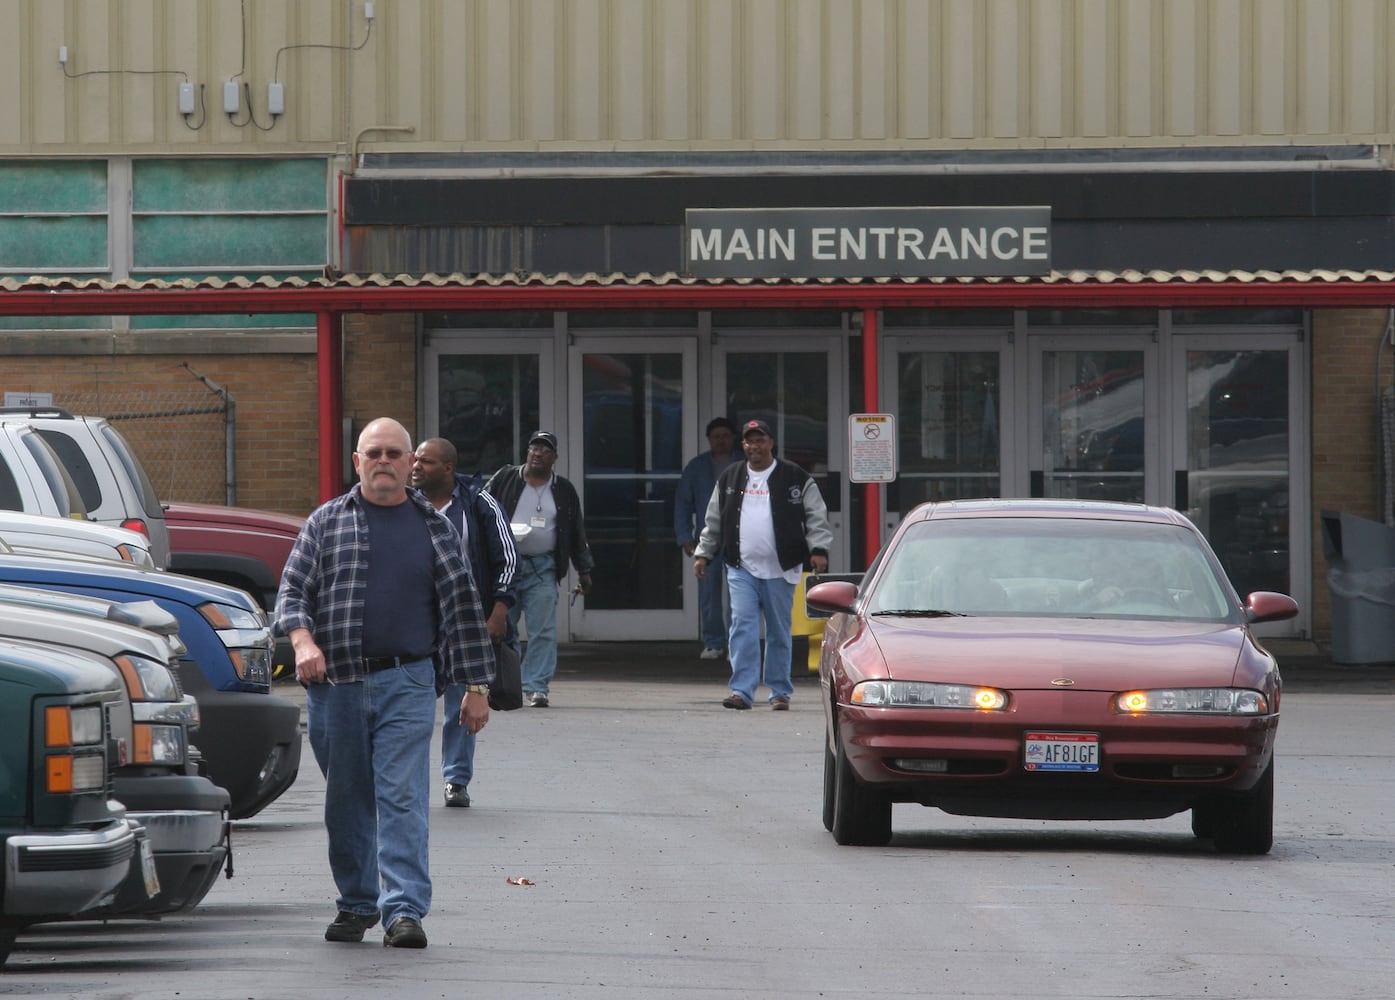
(766, 521)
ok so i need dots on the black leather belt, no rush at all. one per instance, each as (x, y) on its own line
(372, 664)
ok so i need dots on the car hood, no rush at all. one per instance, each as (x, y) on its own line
(200, 515)
(112, 576)
(1095, 654)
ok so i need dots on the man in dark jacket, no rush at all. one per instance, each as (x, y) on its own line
(493, 561)
(532, 494)
(767, 521)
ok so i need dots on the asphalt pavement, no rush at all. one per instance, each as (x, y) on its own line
(636, 841)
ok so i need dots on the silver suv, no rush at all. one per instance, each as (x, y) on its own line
(32, 478)
(110, 480)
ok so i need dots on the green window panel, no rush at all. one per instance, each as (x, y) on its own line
(217, 321)
(35, 243)
(249, 244)
(258, 321)
(76, 187)
(55, 322)
(196, 186)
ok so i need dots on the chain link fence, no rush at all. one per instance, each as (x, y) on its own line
(184, 438)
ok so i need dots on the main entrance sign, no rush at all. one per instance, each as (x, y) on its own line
(867, 242)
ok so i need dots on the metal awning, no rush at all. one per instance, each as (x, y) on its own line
(332, 296)
(377, 293)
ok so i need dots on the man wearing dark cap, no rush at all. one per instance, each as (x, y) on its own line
(533, 495)
(767, 521)
(689, 507)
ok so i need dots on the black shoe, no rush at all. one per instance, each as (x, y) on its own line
(537, 699)
(405, 932)
(457, 796)
(349, 927)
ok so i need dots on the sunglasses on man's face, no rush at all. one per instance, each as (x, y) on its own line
(373, 454)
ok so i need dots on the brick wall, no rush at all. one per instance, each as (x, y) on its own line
(380, 371)
(275, 428)
(1346, 440)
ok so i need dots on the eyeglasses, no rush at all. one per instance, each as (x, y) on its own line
(373, 454)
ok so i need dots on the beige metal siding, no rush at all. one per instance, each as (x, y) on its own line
(604, 75)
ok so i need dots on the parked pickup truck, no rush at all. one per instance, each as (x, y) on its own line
(240, 546)
(68, 846)
(184, 813)
(250, 738)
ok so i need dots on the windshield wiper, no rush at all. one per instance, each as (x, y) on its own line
(919, 613)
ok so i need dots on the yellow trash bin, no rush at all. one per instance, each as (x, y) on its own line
(806, 633)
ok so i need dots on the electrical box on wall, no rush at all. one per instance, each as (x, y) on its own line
(232, 99)
(186, 98)
(276, 98)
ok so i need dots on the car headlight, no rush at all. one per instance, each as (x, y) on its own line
(920, 694)
(147, 679)
(252, 663)
(158, 744)
(1193, 701)
(225, 616)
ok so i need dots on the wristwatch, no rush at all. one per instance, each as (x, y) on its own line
(478, 689)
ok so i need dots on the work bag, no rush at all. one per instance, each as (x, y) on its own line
(506, 693)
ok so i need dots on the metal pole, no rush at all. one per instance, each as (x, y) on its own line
(872, 496)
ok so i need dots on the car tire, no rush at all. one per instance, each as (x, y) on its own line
(861, 816)
(1244, 822)
(830, 782)
(1204, 820)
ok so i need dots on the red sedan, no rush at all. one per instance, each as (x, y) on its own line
(1044, 659)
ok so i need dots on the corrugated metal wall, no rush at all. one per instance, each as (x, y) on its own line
(523, 75)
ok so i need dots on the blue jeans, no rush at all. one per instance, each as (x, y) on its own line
(710, 612)
(752, 601)
(372, 741)
(457, 742)
(536, 587)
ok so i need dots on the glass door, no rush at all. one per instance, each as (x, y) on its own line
(483, 394)
(1237, 448)
(952, 399)
(631, 412)
(799, 391)
(1092, 414)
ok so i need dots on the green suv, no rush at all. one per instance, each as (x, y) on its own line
(68, 845)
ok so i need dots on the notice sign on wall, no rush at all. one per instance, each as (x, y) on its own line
(871, 448)
(867, 242)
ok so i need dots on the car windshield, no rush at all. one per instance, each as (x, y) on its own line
(1051, 568)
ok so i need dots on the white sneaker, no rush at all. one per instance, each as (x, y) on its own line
(711, 654)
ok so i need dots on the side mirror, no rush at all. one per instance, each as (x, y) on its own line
(822, 600)
(1267, 606)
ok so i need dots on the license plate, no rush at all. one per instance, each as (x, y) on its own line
(1062, 752)
(147, 869)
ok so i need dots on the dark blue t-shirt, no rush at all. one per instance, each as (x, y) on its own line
(399, 607)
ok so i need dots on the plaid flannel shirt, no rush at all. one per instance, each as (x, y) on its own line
(326, 576)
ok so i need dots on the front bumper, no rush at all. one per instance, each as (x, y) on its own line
(1150, 766)
(68, 874)
(186, 818)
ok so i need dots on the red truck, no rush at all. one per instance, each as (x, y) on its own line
(240, 546)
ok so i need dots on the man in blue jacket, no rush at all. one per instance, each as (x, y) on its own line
(493, 561)
(689, 508)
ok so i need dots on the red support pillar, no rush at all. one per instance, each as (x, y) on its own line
(872, 497)
(330, 358)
